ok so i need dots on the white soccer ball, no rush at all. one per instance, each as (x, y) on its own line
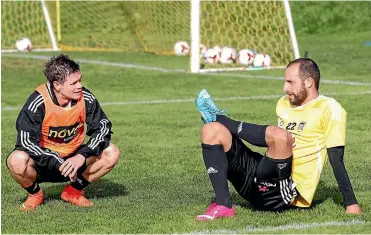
(218, 49)
(181, 48)
(210, 56)
(203, 48)
(23, 44)
(245, 57)
(228, 55)
(262, 60)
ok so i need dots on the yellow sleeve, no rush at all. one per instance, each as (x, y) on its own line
(334, 124)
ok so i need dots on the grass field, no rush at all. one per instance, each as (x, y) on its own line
(160, 183)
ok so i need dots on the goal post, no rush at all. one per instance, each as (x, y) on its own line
(195, 36)
(26, 19)
(290, 23)
(49, 26)
(155, 27)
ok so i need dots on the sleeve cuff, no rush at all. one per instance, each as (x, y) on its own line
(351, 202)
(84, 153)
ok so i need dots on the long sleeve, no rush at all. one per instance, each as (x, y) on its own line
(336, 157)
(334, 125)
(28, 127)
(98, 127)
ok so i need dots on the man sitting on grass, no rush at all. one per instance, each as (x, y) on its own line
(311, 128)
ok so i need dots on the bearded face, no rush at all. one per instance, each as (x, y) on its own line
(294, 86)
(298, 97)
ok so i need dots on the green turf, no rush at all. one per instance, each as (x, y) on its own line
(314, 17)
(160, 183)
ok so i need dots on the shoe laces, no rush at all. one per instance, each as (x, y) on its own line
(36, 195)
(211, 108)
(213, 211)
(33, 198)
(80, 197)
(77, 193)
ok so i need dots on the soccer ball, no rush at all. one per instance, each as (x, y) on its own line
(245, 57)
(211, 56)
(181, 48)
(262, 60)
(203, 48)
(23, 44)
(218, 49)
(228, 55)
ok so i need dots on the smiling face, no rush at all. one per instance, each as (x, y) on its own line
(71, 88)
(64, 75)
(295, 86)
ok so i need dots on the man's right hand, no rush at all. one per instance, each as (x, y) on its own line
(70, 166)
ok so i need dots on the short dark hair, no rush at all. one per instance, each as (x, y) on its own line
(58, 68)
(308, 68)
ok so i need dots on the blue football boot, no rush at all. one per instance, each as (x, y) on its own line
(207, 107)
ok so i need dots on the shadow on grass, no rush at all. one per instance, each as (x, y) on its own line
(100, 189)
(239, 201)
(324, 193)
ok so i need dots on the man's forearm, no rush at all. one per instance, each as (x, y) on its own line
(336, 157)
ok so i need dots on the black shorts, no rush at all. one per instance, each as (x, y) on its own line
(265, 182)
(46, 173)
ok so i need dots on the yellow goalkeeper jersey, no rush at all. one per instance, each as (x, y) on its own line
(315, 126)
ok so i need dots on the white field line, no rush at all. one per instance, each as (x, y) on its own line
(261, 77)
(98, 62)
(258, 97)
(286, 227)
(159, 69)
(263, 97)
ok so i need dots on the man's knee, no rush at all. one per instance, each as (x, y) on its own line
(215, 133)
(111, 155)
(18, 161)
(276, 136)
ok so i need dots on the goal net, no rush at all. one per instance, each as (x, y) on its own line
(23, 19)
(150, 26)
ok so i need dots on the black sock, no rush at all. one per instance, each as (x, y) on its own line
(252, 133)
(80, 183)
(217, 167)
(34, 188)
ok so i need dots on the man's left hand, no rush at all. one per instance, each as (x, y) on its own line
(353, 209)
